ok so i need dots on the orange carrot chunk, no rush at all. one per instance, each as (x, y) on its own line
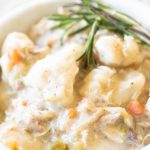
(14, 59)
(13, 146)
(72, 113)
(136, 108)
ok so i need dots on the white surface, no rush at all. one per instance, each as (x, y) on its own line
(10, 5)
(27, 12)
(20, 19)
(134, 8)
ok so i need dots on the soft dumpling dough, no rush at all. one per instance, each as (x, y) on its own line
(17, 40)
(113, 51)
(107, 86)
(96, 83)
(55, 75)
(128, 88)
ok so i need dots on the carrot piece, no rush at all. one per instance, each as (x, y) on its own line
(72, 113)
(15, 58)
(13, 146)
(136, 108)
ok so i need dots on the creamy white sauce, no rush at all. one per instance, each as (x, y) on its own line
(47, 96)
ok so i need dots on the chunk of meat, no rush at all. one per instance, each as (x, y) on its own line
(115, 134)
(116, 115)
(116, 123)
(115, 52)
(88, 114)
(85, 120)
(35, 115)
(112, 122)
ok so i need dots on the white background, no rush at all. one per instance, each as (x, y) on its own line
(9, 5)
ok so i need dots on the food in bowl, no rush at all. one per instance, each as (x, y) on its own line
(78, 81)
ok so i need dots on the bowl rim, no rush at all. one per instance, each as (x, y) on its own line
(7, 20)
(18, 17)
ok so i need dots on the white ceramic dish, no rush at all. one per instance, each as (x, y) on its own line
(22, 18)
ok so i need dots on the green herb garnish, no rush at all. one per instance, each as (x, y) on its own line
(98, 16)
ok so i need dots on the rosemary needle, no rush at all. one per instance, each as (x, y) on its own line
(88, 51)
(98, 16)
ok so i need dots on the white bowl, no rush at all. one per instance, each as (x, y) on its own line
(21, 19)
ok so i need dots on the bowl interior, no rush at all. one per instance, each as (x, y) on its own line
(24, 17)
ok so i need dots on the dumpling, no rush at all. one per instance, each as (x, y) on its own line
(109, 87)
(115, 52)
(54, 76)
(18, 41)
(109, 50)
(18, 54)
(128, 88)
(96, 83)
(14, 51)
(131, 51)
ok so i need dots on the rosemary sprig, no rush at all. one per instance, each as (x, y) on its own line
(79, 30)
(88, 51)
(98, 16)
